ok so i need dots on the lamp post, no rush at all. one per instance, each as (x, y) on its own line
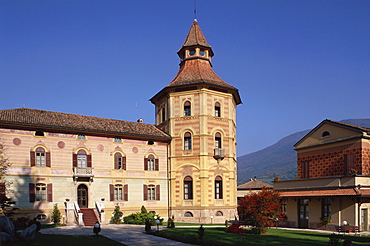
(157, 222)
(211, 219)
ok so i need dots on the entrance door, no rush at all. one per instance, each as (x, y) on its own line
(303, 213)
(364, 219)
(82, 197)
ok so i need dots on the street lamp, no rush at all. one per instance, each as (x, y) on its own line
(211, 219)
(157, 222)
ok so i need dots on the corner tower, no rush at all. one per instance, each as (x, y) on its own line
(198, 110)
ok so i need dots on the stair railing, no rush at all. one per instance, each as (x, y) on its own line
(78, 214)
(99, 207)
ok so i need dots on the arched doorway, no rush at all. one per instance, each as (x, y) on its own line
(82, 197)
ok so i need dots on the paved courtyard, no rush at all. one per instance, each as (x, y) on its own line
(126, 234)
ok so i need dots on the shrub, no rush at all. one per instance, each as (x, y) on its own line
(141, 218)
(55, 215)
(117, 214)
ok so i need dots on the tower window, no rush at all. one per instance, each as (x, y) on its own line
(201, 52)
(217, 109)
(163, 114)
(187, 108)
(187, 141)
(191, 52)
(218, 187)
(188, 188)
(218, 140)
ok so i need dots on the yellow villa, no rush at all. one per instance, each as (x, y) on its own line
(183, 166)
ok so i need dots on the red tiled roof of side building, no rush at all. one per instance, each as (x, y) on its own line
(320, 193)
(56, 121)
(254, 184)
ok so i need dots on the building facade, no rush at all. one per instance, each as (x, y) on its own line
(333, 181)
(184, 166)
(198, 110)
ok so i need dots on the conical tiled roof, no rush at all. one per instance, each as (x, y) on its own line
(195, 37)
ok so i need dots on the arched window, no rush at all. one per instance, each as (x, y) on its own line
(81, 159)
(188, 214)
(187, 141)
(151, 163)
(218, 140)
(188, 188)
(40, 157)
(217, 109)
(218, 187)
(325, 134)
(187, 108)
(39, 133)
(119, 161)
(117, 140)
(192, 52)
(81, 137)
(219, 213)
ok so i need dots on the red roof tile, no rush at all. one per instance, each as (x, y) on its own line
(26, 117)
(320, 193)
(254, 184)
(195, 37)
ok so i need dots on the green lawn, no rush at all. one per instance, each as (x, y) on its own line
(218, 236)
(63, 240)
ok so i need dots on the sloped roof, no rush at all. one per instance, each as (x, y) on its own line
(324, 193)
(197, 71)
(253, 184)
(195, 37)
(335, 123)
(35, 118)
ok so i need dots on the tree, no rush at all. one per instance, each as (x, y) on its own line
(117, 214)
(260, 209)
(55, 215)
(6, 203)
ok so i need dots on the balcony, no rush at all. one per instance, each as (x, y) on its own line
(83, 172)
(219, 154)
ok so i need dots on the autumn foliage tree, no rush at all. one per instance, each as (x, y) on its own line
(260, 209)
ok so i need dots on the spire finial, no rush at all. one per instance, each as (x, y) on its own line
(195, 10)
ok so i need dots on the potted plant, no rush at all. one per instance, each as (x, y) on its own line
(353, 172)
(325, 220)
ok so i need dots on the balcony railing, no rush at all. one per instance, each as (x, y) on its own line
(83, 172)
(219, 154)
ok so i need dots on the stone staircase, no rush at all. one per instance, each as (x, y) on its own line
(89, 216)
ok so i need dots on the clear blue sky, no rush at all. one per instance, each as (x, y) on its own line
(294, 62)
